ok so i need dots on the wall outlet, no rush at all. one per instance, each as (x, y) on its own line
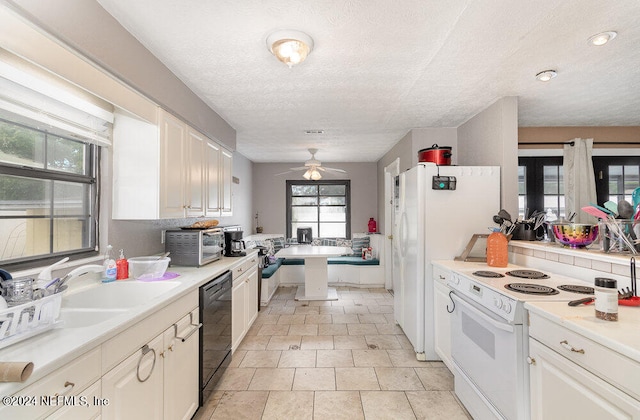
(162, 236)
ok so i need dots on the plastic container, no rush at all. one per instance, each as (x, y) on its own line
(617, 236)
(497, 250)
(17, 291)
(109, 265)
(20, 322)
(606, 293)
(148, 267)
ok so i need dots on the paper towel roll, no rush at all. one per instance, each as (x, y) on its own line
(15, 371)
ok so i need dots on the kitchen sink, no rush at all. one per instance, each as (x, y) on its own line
(81, 318)
(117, 295)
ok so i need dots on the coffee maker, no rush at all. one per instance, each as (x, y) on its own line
(233, 244)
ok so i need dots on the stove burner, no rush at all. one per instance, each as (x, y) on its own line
(491, 274)
(585, 290)
(527, 274)
(531, 289)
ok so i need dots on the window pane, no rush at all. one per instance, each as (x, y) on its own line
(313, 226)
(70, 234)
(21, 146)
(24, 238)
(550, 179)
(615, 179)
(70, 199)
(551, 202)
(332, 190)
(561, 180)
(333, 230)
(21, 196)
(302, 214)
(66, 155)
(304, 201)
(333, 214)
(333, 201)
(631, 181)
(522, 176)
(304, 190)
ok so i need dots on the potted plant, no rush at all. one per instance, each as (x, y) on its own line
(259, 228)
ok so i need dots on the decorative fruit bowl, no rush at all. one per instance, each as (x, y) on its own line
(575, 235)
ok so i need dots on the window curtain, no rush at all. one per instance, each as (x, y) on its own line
(579, 179)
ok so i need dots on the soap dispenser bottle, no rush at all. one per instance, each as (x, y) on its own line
(109, 266)
(122, 267)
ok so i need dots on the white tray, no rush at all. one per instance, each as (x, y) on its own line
(23, 321)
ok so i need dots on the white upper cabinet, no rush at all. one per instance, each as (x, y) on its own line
(168, 170)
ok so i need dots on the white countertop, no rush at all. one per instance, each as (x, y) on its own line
(308, 251)
(59, 346)
(622, 336)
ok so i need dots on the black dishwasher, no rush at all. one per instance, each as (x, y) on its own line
(215, 334)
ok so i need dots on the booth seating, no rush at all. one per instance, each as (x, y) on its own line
(348, 270)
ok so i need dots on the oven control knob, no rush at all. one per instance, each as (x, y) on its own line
(455, 279)
(497, 302)
(507, 307)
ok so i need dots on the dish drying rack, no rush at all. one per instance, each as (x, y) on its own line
(20, 322)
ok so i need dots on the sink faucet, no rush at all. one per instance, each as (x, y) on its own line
(76, 272)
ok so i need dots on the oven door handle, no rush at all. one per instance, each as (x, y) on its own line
(481, 314)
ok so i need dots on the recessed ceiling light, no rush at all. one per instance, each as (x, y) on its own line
(314, 132)
(545, 76)
(601, 38)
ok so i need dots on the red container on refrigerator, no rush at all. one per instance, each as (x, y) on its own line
(440, 155)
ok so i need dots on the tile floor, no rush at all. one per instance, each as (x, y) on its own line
(345, 359)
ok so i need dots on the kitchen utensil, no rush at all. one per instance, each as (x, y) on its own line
(625, 209)
(148, 267)
(571, 217)
(581, 301)
(575, 235)
(633, 277)
(618, 235)
(602, 209)
(612, 207)
(635, 198)
(594, 212)
(504, 214)
(18, 290)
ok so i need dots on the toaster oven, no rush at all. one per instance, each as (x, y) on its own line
(194, 247)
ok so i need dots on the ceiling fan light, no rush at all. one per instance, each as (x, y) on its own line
(315, 175)
(290, 47)
(307, 175)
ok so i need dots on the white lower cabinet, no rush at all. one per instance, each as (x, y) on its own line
(160, 380)
(572, 377)
(442, 317)
(244, 300)
(134, 388)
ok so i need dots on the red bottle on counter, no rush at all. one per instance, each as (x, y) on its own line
(373, 227)
(122, 267)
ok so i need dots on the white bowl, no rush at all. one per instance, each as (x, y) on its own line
(148, 267)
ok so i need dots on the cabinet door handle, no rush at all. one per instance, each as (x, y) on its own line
(68, 386)
(566, 345)
(183, 339)
(442, 277)
(145, 349)
(531, 360)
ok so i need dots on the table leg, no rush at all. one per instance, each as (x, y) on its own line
(316, 281)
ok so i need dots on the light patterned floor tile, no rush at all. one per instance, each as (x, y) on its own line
(318, 319)
(334, 358)
(272, 379)
(406, 358)
(436, 405)
(241, 405)
(235, 379)
(297, 358)
(435, 379)
(398, 379)
(356, 379)
(314, 379)
(386, 405)
(291, 319)
(345, 319)
(303, 329)
(316, 342)
(274, 329)
(337, 405)
(295, 405)
(334, 310)
(332, 329)
(284, 342)
(260, 359)
(362, 329)
(349, 342)
(372, 319)
(371, 358)
(254, 342)
(383, 342)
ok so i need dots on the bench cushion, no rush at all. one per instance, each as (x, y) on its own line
(334, 260)
(271, 269)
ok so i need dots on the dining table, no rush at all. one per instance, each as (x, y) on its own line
(316, 278)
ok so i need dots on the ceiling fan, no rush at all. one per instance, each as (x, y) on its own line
(313, 168)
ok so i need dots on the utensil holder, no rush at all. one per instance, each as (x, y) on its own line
(617, 236)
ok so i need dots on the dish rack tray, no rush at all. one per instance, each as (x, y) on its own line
(20, 322)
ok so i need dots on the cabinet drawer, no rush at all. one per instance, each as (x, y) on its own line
(244, 266)
(91, 410)
(605, 363)
(441, 275)
(69, 380)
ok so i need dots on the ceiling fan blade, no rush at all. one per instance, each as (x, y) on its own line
(342, 171)
(299, 168)
(283, 173)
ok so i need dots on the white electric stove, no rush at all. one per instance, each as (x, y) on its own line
(489, 335)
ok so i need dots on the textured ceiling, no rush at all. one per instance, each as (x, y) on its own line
(380, 67)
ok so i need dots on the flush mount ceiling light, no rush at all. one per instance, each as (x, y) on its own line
(289, 46)
(602, 38)
(545, 76)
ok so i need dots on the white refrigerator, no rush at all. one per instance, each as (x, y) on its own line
(435, 224)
